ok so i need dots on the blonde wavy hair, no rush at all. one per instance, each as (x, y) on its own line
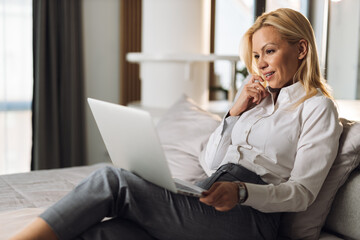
(292, 26)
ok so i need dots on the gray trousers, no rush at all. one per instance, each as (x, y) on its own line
(142, 210)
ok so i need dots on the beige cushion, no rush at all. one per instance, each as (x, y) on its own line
(344, 217)
(308, 224)
(183, 132)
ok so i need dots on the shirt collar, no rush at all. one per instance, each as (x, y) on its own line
(291, 93)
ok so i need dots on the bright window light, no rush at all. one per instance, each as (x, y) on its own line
(16, 84)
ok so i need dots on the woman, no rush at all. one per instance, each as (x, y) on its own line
(270, 154)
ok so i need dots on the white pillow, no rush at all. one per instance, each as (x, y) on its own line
(184, 131)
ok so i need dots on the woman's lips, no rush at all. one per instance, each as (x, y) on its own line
(268, 75)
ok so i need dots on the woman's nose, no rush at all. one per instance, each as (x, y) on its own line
(261, 64)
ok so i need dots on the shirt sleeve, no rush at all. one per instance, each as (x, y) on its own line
(316, 152)
(219, 142)
(220, 139)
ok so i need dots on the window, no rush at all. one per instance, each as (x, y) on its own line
(298, 5)
(16, 83)
(232, 19)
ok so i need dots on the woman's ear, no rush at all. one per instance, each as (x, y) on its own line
(303, 48)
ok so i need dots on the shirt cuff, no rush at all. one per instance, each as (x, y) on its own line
(257, 195)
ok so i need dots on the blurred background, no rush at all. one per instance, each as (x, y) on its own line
(56, 53)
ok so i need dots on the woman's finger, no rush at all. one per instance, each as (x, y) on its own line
(222, 196)
(258, 88)
(208, 196)
(255, 95)
(257, 78)
(252, 93)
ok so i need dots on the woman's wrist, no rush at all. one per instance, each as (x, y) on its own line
(243, 193)
(233, 112)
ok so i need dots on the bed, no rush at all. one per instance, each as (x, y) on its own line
(23, 196)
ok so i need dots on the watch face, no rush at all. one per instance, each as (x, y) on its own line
(242, 192)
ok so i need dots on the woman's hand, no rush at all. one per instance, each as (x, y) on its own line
(223, 196)
(252, 93)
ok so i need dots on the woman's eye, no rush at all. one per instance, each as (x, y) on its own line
(256, 56)
(269, 51)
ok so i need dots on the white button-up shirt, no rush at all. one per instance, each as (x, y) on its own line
(291, 147)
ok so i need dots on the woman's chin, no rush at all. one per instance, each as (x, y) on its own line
(273, 85)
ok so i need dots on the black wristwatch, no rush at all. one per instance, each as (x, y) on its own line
(242, 191)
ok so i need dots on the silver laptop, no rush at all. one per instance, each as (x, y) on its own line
(133, 144)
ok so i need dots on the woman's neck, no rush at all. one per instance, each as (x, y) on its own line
(274, 93)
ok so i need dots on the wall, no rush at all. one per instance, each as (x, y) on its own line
(174, 27)
(101, 56)
(343, 46)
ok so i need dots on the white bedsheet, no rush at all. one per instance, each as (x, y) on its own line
(24, 196)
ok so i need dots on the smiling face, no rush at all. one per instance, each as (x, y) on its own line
(276, 59)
